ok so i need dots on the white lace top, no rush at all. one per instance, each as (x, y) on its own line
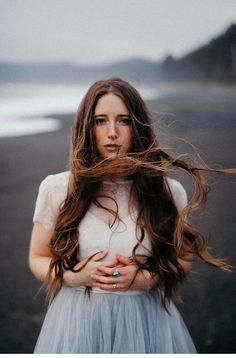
(97, 230)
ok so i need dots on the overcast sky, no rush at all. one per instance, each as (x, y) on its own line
(101, 31)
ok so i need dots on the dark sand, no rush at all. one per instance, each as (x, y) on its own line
(205, 118)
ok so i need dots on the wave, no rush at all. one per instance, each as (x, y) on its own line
(23, 106)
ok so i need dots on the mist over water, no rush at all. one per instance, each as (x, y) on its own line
(27, 109)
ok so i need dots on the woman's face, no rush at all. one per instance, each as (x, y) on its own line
(112, 129)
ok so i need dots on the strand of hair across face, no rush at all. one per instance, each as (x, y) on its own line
(151, 163)
(124, 166)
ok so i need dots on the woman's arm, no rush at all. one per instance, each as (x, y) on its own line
(40, 258)
(129, 278)
(39, 253)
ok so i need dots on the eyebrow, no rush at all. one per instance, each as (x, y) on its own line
(104, 115)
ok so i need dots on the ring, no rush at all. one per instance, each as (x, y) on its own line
(116, 274)
(114, 285)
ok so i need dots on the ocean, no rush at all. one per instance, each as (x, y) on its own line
(27, 109)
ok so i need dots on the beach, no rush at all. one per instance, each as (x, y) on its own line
(205, 119)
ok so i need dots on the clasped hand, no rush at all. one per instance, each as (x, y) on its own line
(97, 273)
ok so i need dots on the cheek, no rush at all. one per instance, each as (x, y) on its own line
(129, 138)
(96, 136)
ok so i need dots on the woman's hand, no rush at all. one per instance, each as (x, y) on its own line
(130, 278)
(85, 276)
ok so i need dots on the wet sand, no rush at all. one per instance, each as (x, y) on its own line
(208, 120)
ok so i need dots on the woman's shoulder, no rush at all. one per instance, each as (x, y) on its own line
(178, 192)
(59, 179)
(52, 192)
(56, 185)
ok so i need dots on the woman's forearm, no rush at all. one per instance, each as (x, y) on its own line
(74, 279)
(39, 266)
(144, 280)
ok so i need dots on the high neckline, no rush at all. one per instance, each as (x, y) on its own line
(115, 182)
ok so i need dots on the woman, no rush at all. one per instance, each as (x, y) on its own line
(110, 236)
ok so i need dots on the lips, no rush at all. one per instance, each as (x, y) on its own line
(112, 147)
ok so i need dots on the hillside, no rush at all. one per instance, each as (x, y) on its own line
(133, 70)
(214, 62)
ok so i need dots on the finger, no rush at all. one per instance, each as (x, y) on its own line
(127, 271)
(110, 287)
(123, 259)
(100, 255)
(110, 271)
(106, 279)
(110, 263)
(105, 270)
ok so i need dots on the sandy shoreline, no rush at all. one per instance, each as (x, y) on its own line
(210, 313)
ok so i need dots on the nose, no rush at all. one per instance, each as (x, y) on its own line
(112, 131)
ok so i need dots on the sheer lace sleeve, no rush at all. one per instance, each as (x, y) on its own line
(44, 212)
(52, 192)
(179, 193)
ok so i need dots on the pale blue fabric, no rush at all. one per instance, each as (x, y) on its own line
(118, 322)
(112, 323)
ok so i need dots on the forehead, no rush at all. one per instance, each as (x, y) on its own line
(110, 103)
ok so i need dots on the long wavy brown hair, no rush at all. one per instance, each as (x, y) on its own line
(171, 234)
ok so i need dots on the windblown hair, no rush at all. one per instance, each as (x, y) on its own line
(172, 237)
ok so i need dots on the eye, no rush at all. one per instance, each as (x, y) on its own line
(100, 121)
(125, 121)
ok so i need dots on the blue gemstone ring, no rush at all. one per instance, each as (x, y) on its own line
(116, 274)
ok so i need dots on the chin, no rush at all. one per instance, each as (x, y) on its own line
(111, 156)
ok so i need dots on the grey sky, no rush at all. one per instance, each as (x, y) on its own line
(98, 31)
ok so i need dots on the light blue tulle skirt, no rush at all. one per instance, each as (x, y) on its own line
(112, 323)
